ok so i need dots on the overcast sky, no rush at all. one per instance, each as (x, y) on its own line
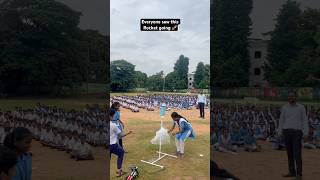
(264, 13)
(152, 52)
(94, 13)
(155, 51)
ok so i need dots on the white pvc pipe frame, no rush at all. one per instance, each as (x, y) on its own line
(161, 155)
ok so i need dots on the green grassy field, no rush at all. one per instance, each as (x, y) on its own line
(139, 148)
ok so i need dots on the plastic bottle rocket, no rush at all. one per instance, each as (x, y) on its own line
(163, 108)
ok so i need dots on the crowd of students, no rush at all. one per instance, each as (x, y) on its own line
(71, 131)
(236, 127)
(150, 102)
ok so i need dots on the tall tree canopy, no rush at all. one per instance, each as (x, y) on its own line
(140, 79)
(122, 75)
(293, 50)
(181, 68)
(231, 26)
(284, 47)
(199, 74)
(41, 47)
(156, 82)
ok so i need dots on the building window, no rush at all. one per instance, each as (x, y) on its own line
(190, 79)
(257, 54)
(257, 71)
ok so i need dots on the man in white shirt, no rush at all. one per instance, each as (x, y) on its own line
(293, 125)
(201, 103)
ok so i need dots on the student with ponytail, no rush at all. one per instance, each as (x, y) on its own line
(19, 141)
(185, 131)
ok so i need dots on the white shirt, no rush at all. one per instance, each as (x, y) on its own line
(201, 98)
(114, 133)
(57, 139)
(71, 143)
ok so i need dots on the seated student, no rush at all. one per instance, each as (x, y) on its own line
(258, 134)
(43, 136)
(243, 131)
(250, 143)
(236, 137)
(62, 145)
(316, 137)
(225, 143)
(82, 150)
(101, 137)
(50, 138)
(8, 161)
(278, 143)
(309, 142)
(57, 141)
(71, 142)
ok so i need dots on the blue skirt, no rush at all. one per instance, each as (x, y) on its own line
(185, 134)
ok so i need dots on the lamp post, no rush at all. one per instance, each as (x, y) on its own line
(164, 82)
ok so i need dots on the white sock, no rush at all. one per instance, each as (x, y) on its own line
(178, 146)
(182, 146)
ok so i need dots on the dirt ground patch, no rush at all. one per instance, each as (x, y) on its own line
(268, 164)
(50, 164)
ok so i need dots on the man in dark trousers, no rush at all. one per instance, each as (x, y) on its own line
(293, 125)
(201, 103)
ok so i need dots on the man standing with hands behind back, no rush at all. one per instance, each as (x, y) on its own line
(293, 125)
(201, 103)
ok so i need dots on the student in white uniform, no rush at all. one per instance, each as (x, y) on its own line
(115, 148)
(82, 150)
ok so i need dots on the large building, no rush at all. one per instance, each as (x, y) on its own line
(190, 80)
(258, 57)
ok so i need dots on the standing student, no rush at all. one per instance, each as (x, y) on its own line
(293, 125)
(19, 141)
(115, 148)
(185, 131)
(8, 161)
(116, 119)
(201, 103)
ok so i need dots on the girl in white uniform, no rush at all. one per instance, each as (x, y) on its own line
(185, 131)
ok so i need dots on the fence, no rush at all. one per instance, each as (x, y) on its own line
(270, 93)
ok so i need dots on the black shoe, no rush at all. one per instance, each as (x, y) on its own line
(289, 175)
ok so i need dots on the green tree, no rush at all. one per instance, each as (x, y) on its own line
(181, 68)
(41, 47)
(205, 83)
(156, 82)
(284, 46)
(97, 53)
(122, 75)
(170, 81)
(200, 74)
(231, 26)
(140, 79)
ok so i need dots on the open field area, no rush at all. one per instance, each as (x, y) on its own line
(50, 164)
(268, 164)
(144, 125)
